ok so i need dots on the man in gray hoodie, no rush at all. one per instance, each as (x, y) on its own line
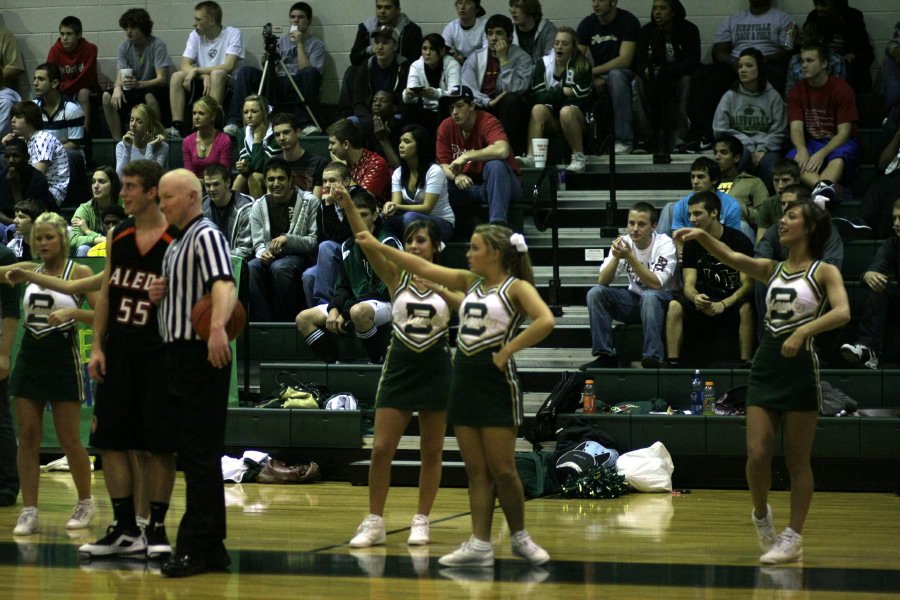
(531, 32)
(283, 230)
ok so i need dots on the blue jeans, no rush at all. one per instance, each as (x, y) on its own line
(398, 223)
(890, 82)
(618, 86)
(9, 475)
(871, 327)
(275, 290)
(763, 170)
(498, 189)
(649, 309)
(246, 82)
(318, 280)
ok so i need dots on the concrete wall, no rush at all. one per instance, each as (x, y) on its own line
(35, 22)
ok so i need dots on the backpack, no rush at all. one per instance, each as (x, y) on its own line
(565, 397)
(537, 470)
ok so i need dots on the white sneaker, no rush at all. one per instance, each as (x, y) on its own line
(623, 148)
(467, 555)
(788, 548)
(27, 523)
(310, 130)
(525, 161)
(82, 515)
(232, 130)
(524, 546)
(765, 529)
(418, 532)
(172, 133)
(369, 533)
(578, 163)
(860, 354)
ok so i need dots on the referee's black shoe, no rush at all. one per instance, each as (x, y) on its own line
(184, 565)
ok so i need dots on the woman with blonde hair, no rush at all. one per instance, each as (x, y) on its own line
(145, 139)
(562, 88)
(208, 144)
(50, 345)
(485, 404)
(259, 146)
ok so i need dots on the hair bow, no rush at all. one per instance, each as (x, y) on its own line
(518, 240)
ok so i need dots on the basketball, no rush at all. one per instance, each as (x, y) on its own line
(201, 315)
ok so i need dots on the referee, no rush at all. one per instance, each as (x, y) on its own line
(197, 262)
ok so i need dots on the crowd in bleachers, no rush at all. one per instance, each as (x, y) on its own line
(433, 127)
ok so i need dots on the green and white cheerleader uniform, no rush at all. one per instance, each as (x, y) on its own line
(48, 365)
(416, 374)
(482, 395)
(776, 382)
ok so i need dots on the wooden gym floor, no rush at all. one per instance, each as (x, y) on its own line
(291, 542)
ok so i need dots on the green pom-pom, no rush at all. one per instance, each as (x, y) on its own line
(599, 482)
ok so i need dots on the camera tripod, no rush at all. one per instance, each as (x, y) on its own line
(273, 58)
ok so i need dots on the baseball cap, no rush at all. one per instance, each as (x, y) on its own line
(458, 92)
(386, 31)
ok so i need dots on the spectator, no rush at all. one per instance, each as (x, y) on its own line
(465, 34)
(109, 217)
(705, 176)
(562, 89)
(822, 115)
(499, 77)
(333, 229)
(769, 244)
(867, 349)
(20, 181)
(890, 72)
(211, 57)
(359, 297)
(876, 206)
(303, 55)
(754, 113)
(387, 127)
(418, 186)
(714, 293)
(648, 259)
(367, 169)
(474, 152)
(785, 172)
(531, 31)
(62, 117)
(145, 139)
(770, 30)
(384, 71)
(10, 58)
(26, 212)
(259, 146)
(610, 35)
(750, 191)
(149, 77)
(8, 97)
(306, 167)
(843, 30)
(46, 153)
(208, 144)
(283, 229)
(668, 52)
(77, 61)
(409, 45)
(809, 34)
(228, 210)
(87, 223)
(430, 77)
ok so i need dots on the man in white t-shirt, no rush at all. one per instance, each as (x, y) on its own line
(649, 260)
(212, 55)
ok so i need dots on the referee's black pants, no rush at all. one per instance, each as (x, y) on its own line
(200, 394)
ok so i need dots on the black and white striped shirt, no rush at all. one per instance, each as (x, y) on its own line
(197, 258)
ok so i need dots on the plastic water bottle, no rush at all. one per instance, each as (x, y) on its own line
(697, 394)
(588, 399)
(709, 398)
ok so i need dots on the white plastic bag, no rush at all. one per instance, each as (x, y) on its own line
(647, 469)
